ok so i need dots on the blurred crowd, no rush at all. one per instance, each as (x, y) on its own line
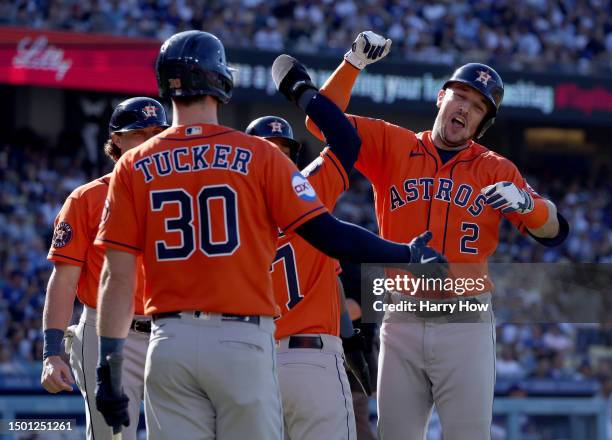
(36, 177)
(559, 35)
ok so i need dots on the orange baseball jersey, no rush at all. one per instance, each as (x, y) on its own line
(419, 192)
(414, 191)
(203, 205)
(76, 226)
(305, 280)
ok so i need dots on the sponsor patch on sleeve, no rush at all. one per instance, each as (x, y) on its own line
(62, 235)
(302, 187)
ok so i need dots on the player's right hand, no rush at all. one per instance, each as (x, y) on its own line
(113, 406)
(56, 375)
(367, 48)
(425, 260)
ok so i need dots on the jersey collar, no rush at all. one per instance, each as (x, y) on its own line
(472, 150)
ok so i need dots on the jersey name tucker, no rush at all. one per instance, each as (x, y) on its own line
(191, 159)
(447, 190)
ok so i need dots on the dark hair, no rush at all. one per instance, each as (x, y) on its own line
(112, 150)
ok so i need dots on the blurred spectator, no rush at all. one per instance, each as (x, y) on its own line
(567, 36)
(35, 178)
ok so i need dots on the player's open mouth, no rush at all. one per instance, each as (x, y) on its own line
(458, 122)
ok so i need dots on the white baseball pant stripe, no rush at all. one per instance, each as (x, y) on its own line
(83, 352)
(447, 361)
(317, 401)
(208, 378)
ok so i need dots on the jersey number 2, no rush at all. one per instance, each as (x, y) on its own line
(183, 223)
(472, 235)
(287, 255)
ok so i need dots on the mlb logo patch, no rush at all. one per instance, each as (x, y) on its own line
(193, 131)
(303, 188)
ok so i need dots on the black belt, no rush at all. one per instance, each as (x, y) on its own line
(141, 325)
(251, 319)
(306, 342)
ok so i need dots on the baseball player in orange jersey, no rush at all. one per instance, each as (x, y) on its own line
(314, 386)
(202, 204)
(77, 265)
(442, 180)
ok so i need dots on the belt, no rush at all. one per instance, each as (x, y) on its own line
(141, 325)
(251, 319)
(306, 342)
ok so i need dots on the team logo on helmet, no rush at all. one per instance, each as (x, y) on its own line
(149, 111)
(276, 126)
(484, 77)
(62, 235)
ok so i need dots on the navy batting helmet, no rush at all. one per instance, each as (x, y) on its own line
(274, 127)
(192, 63)
(136, 113)
(485, 80)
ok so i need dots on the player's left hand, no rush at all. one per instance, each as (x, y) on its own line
(291, 77)
(508, 197)
(113, 407)
(356, 364)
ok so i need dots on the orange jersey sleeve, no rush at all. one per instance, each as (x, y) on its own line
(75, 227)
(120, 216)
(73, 240)
(203, 204)
(328, 177)
(338, 89)
(304, 279)
(507, 171)
(291, 198)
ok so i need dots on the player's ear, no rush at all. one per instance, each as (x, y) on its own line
(441, 95)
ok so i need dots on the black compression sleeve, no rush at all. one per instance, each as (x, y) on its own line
(340, 135)
(561, 236)
(347, 241)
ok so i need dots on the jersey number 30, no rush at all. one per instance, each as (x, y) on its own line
(183, 223)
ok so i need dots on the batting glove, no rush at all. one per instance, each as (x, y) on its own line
(356, 364)
(291, 77)
(113, 407)
(425, 260)
(367, 48)
(508, 197)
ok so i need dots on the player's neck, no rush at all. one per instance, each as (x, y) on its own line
(439, 143)
(204, 112)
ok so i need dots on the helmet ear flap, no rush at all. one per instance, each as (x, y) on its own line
(484, 126)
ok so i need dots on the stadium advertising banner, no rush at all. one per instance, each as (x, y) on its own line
(125, 65)
(77, 61)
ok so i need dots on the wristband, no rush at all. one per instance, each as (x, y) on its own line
(538, 216)
(52, 342)
(107, 346)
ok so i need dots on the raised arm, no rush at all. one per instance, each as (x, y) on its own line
(367, 48)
